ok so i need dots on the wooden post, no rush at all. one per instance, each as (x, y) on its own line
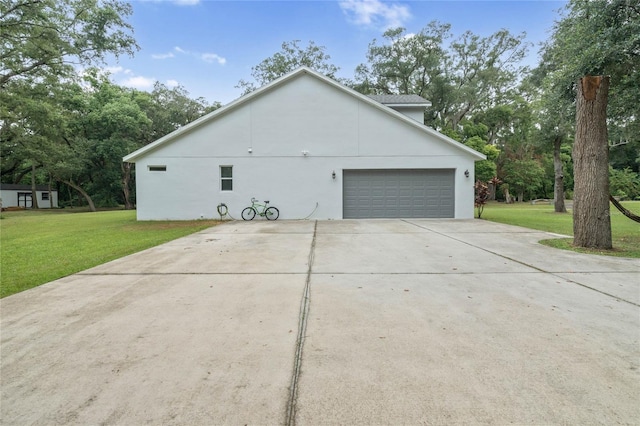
(591, 220)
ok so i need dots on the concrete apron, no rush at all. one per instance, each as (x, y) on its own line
(415, 321)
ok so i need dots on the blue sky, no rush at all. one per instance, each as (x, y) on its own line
(207, 46)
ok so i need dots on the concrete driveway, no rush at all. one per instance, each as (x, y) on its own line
(331, 322)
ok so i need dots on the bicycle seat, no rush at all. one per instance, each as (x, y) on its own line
(266, 201)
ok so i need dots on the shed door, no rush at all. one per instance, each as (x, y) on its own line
(426, 193)
(24, 200)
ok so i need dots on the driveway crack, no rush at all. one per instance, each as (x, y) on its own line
(302, 330)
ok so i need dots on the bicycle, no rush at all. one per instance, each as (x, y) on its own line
(271, 213)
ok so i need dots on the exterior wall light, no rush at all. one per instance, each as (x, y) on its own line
(333, 175)
(250, 150)
(466, 173)
(305, 152)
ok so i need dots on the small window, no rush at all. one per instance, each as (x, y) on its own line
(226, 178)
(45, 196)
(157, 168)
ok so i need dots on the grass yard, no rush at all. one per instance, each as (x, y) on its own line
(40, 246)
(625, 232)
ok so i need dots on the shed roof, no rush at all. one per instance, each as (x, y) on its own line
(408, 100)
(20, 187)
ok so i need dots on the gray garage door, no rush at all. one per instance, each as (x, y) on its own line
(398, 193)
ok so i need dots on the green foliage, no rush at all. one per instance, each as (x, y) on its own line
(595, 37)
(290, 58)
(483, 71)
(624, 183)
(404, 64)
(470, 75)
(625, 153)
(44, 38)
(38, 247)
(170, 108)
(524, 177)
(78, 133)
(485, 169)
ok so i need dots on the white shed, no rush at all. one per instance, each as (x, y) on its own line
(313, 148)
(13, 195)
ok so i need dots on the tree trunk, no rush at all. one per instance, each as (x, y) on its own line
(591, 220)
(126, 178)
(34, 190)
(50, 193)
(86, 196)
(507, 196)
(492, 191)
(558, 184)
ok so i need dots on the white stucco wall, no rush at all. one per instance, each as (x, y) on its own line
(415, 112)
(337, 130)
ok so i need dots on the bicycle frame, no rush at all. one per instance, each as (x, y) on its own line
(259, 208)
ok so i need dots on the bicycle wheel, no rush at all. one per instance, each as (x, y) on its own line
(272, 213)
(249, 213)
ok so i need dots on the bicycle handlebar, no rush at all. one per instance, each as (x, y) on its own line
(254, 200)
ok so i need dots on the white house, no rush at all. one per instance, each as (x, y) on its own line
(313, 148)
(21, 196)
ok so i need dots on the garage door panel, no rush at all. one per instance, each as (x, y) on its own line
(410, 193)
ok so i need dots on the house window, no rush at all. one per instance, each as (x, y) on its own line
(157, 168)
(45, 196)
(226, 178)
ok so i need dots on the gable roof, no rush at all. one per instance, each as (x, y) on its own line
(131, 158)
(401, 100)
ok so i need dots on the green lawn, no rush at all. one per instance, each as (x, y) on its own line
(625, 232)
(40, 246)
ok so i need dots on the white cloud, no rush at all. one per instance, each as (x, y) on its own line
(206, 57)
(162, 55)
(172, 83)
(113, 70)
(375, 13)
(139, 82)
(212, 57)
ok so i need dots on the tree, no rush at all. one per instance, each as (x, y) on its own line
(290, 58)
(114, 125)
(484, 70)
(598, 37)
(523, 177)
(554, 118)
(472, 74)
(43, 38)
(591, 219)
(624, 183)
(170, 108)
(42, 41)
(405, 64)
(485, 169)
